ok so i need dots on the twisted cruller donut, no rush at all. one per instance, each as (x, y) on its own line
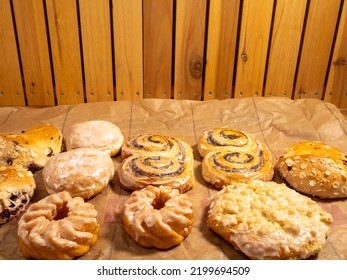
(231, 155)
(58, 227)
(158, 217)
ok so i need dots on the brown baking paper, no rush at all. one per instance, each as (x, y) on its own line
(277, 122)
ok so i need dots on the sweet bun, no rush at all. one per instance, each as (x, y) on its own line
(17, 186)
(266, 220)
(58, 227)
(158, 217)
(97, 134)
(32, 148)
(82, 172)
(315, 168)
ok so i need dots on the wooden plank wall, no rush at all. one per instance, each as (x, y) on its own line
(55, 52)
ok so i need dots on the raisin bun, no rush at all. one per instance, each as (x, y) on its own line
(31, 148)
(82, 172)
(17, 186)
(97, 134)
(315, 168)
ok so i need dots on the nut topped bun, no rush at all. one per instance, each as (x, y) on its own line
(97, 134)
(315, 168)
(32, 148)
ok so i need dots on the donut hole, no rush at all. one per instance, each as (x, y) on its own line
(158, 204)
(62, 212)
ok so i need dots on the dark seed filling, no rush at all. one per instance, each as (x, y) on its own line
(139, 172)
(211, 140)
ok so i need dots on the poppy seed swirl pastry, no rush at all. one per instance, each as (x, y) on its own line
(158, 217)
(138, 171)
(266, 220)
(58, 227)
(226, 138)
(97, 134)
(83, 172)
(315, 168)
(32, 148)
(159, 145)
(17, 186)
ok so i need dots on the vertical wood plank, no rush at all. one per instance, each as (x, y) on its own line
(336, 91)
(189, 48)
(157, 18)
(97, 49)
(128, 45)
(317, 44)
(11, 87)
(253, 47)
(64, 35)
(221, 45)
(284, 47)
(33, 44)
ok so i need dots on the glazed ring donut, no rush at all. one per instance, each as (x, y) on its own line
(226, 138)
(158, 217)
(158, 145)
(136, 172)
(83, 172)
(17, 186)
(266, 220)
(97, 134)
(223, 167)
(58, 227)
(315, 168)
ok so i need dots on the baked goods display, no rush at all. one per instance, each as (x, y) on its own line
(156, 160)
(230, 155)
(58, 227)
(158, 217)
(266, 220)
(315, 168)
(83, 172)
(17, 186)
(31, 148)
(97, 134)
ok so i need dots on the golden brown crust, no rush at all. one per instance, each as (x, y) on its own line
(32, 148)
(266, 220)
(316, 169)
(58, 227)
(17, 186)
(158, 217)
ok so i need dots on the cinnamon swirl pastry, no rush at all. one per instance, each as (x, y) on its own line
(158, 145)
(138, 171)
(223, 167)
(226, 138)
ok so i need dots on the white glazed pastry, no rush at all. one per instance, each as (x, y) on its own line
(97, 134)
(266, 220)
(82, 172)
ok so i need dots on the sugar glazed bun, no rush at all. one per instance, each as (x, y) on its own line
(266, 220)
(17, 186)
(156, 160)
(97, 134)
(58, 227)
(316, 169)
(82, 172)
(158, 217)
(230, 155)
(32, 148)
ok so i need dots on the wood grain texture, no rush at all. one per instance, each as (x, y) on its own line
(11, 87)
(317, 45)
(284, 47)
(66, 54)
(97, 49)
(128, 43)
(34, 50)
(189, 48)
(157, 18)
(221, 45)
(336, 90)
(253, 47)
